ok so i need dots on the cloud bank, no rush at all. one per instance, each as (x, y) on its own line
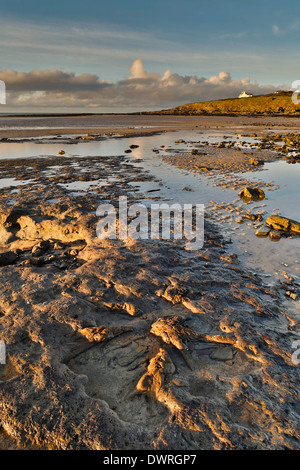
(56, 89)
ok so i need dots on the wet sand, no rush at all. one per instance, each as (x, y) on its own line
(134, 124)
(134, 344)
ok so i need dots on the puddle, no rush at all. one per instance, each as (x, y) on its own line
(262, 254)
(83, 185)
(8, 182)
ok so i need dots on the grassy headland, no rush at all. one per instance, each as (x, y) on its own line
(279, 103)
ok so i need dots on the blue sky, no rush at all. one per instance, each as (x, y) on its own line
(190, 40)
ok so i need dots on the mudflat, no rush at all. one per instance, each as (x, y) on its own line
(135, 344)
(27, 126)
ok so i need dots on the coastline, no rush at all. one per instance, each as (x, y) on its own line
(134, 344)
(135, 124)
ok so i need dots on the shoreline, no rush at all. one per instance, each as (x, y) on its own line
(161, 123)
(133, 344)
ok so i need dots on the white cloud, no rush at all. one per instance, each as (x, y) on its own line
(56, 89)
(276, 30)
(137, 70)
(287, 29)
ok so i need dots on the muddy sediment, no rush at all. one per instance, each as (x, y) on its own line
(132, 344)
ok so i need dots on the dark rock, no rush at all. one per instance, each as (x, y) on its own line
(7, 258)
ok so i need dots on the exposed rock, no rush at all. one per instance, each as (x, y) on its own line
(173, 293)
(254, 161)
(283, 223)
(262, 233)
(253, 217)
(196, 370)
(154, 379)
(101, 333)
(127, 307)
(274, 236)
(252, 193)
(173, 331)
(7, 258)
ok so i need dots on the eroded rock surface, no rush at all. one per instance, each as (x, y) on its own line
(115, 344)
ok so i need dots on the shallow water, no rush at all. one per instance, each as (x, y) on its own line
(90, 121)
(261, 255)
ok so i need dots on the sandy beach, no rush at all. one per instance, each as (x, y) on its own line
(30, 126)
(129, 344)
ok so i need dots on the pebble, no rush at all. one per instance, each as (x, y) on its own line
(262, 233)
(274, 236)
(222, 354)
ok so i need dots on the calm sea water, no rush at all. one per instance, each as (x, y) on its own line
(91, 121)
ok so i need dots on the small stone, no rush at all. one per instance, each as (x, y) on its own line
(7, 258)
(222, 354)
(252, 193)
(205, 169)
(292, 295)
(255, 162)
(253, 217)
(130, 308)
(262, 233)
(275, 236)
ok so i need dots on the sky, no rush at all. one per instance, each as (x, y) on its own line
(124, 56)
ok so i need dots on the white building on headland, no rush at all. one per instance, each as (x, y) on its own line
(245, 95)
